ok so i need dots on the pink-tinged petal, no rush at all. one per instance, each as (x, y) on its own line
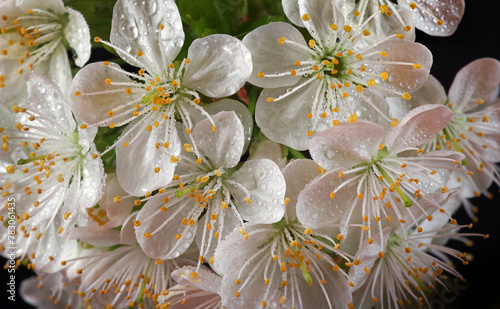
(346, 144)
(450, 12)
(270, 57)
(164, 227)
(136, 28)
(432, 92)
(205, 280)
(266, 186)
(368, 253)
(219, 65)
(399, 64)
(318, 16)
(77, 34)
(137, 164)
(475, 83)
(224, 146)
(315, 206)
(418, 127)
(91, 98)
(190, 296)
(45, 97)
(297, 175)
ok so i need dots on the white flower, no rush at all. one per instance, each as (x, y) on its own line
(475, 127)
(122, 275)
(376, 177)
(212, 196)
(60, 177)
(336, 76)
(283, 265)
(414, 258)
(33, 37)
(50, 291)
(149, 35)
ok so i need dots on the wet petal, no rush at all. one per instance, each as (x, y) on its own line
(418, 127)
(164, 227)
(450, 12)
(136, 164)
(475, 83)
(219, 65)
(271, 57)
(224, 146)
(136, 27)
(95, 97)
(297, 175)
(346, 144)
(315, 206)
(266, 186)
(77, 34)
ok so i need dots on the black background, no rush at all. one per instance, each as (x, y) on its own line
(477, 36)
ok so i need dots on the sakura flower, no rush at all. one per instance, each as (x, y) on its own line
(336, 76)
(283, 265)
(213, 196)
(33, 38)
(161, 94)
(474, 129)
(60, 177)
(374, 177)
(195, 290)
(410, 268)
(439, 18)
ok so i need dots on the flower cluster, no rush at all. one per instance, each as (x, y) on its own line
(174, 173)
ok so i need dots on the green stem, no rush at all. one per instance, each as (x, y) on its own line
(296, 154)
(406, 200)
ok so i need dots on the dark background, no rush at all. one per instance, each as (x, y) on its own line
(477, 36)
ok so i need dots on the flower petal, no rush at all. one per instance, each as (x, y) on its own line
(240, 110)
(136, 164)
(286, 121)
(418, 127)
(476, 81)
(267, 149)
(432, 92)
(93, 108)
(271, 57)
(368, 253)
(77, 34)
(136, 27)
(219, 65)
(206, 280)
(263, 180)
(56, 6)
(224, 146)
(450, 16)
(346, 144)
(297, 175)
(164, 227)
(318, 16)
(45, 97)
(316, 208)
(398, 64)
(291, 9)
(60, 70)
